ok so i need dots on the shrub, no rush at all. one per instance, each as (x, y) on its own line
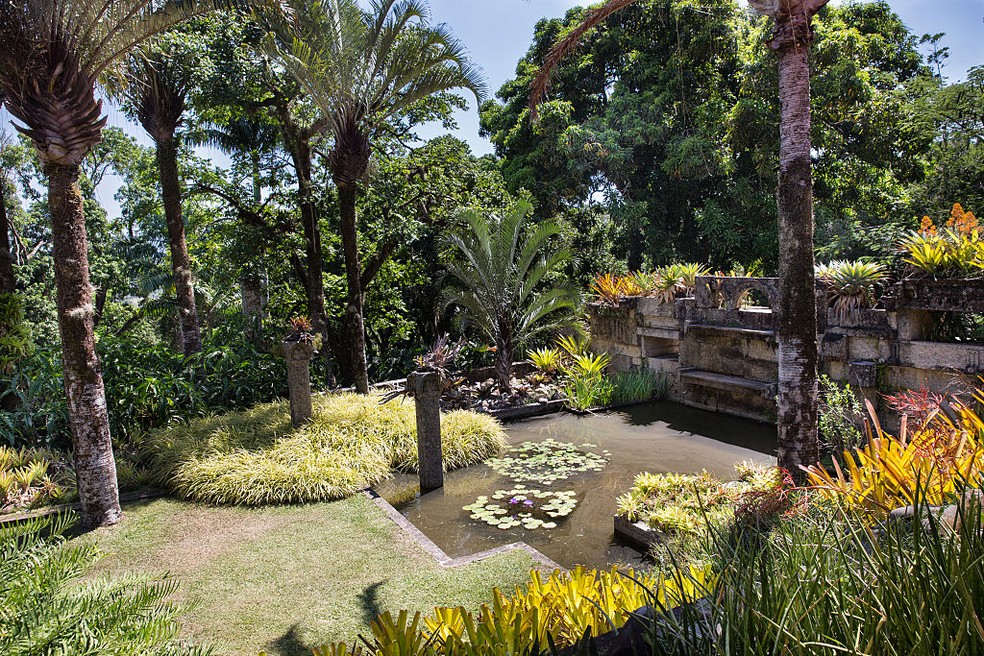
(823, 585)
(933, 465)
(46, 607)
(546, 360)
(27, 479)
(147, 385)
(255, 457)
(841, 417)
(688, 503)
(611, 289)
(547, 614)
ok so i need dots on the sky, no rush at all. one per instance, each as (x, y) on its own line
(498, 32)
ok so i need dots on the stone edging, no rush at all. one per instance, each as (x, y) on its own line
(443, 559)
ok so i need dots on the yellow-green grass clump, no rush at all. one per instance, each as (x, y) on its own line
(255, 457)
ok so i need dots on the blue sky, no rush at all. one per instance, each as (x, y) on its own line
(498, 32)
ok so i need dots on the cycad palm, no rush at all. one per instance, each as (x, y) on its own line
(501, 268)
(362, 68)
(52, 52)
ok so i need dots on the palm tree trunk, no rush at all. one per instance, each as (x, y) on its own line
(796, 318)
(8, 283)
(354, 298)
(167, 164)
(95, 468)
(301, 155)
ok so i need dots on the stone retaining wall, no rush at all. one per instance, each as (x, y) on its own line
(720, 351)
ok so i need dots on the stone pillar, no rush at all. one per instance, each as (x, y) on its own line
(299, 356)
(426, 387)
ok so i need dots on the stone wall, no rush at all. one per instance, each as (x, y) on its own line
(719, 349)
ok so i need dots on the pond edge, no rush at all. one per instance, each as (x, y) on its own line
(442, 558)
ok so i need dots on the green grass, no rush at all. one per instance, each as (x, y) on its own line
(255, 457)
(289, 578)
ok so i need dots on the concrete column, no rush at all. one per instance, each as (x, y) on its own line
(426, 387)
(299, 356)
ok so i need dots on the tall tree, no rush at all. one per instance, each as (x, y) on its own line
(363, 68)
(52, 52)
(796, 314)
(154, 88)
(8, 284)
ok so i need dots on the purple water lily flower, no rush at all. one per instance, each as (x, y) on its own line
(528, 503)
(513, 501)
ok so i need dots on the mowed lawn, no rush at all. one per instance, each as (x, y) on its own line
(286, 579)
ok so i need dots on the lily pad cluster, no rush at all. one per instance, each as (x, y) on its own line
(523, 506)
(548, 461)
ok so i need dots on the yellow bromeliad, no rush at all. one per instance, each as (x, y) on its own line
(935, 464)
(560, 609)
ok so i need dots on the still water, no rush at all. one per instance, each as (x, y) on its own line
(655, 437)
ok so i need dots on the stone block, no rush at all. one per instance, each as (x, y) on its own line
(964, 358)
(863, 373)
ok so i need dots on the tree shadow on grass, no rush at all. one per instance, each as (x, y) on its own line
(369, 599)
(290, 644)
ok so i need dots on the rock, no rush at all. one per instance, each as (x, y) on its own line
(542, 399)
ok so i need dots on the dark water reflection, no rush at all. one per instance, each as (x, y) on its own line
(655, 437)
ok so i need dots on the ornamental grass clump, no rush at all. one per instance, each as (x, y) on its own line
(256, 458)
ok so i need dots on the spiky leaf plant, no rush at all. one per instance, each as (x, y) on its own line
(48, 608)
(501, 269)
(851, 285)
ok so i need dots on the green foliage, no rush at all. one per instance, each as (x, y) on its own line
(546, 360)
(255, 457)
(505, 276)
(673, 108)
(15, 334)
(586, 386)
(820, 584)
(48, 608)
(686, 504)
(549, 613)
(639, 385)
(841, 417)
(586, 392)
(149, 385)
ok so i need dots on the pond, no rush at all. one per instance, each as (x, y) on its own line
(556, 488)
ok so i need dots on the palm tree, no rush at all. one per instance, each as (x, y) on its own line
(52, 52)
(154, 87)
(500, 268)
(796, 314)
(362, 68)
